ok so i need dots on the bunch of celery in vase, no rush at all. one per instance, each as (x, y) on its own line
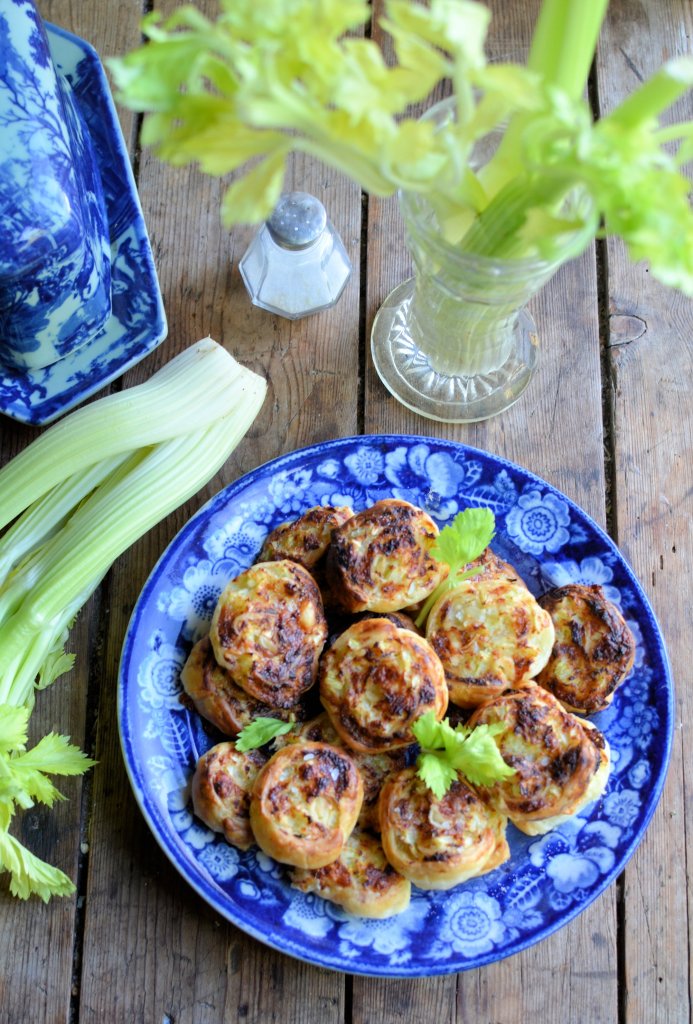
(269, 77)
(76, 498)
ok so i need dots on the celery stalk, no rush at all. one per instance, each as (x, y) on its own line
(191, 391)
(47, 514)
(563, 42)
(561, 53)
(654, 96)
(86, 490)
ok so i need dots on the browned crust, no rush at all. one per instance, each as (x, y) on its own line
(391, 535)
(216, 697)
(439, 843)
(490, 566)
(290, 794)
(218, 799)
(376, 681)
(373, 768)
(553, 754)
(305, 540)
(361, 879)
(594, 649)
(481, 661)
(271, 644)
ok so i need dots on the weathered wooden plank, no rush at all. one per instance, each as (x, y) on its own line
(153, 950)
(650, 365)
(556, 431)
(36, 958)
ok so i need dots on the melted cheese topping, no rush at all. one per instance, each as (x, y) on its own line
(305, 803)
(439, 843)
(268, 631)
(379, 560)
(375, 682)
(490, 634)
(593, 650)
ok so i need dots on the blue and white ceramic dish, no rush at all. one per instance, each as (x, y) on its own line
(55, 277)
(137, 323)
(548, 880)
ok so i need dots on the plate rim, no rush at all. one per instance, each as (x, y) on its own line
(56, 402)
(207, 890)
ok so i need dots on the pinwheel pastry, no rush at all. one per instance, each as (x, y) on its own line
(490, 566)
(373, 768)
(216, 697)
(375, 682)
(305, 803)
(268, 630)
(561, 762)
(306, 539)
(593, 651)
(221, 787)
(361, 879)
(380, 560)
(438, 843)
(490, 634)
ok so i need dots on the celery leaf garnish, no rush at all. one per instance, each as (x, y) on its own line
(446, 751)
(458, 544)
(259, 732)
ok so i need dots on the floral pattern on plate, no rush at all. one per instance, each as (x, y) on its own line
(547, 880)
(137, 323)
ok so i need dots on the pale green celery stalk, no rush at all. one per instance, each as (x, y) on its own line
(61, 543)
(112, 519)
(655, 96)
(674, 133)
(189, 392)
(564, 42)
(345, 160)
(48, 514)
(562, 50)
(496, 232)
(18, 678)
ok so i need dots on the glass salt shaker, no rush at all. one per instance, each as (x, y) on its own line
(296, 264)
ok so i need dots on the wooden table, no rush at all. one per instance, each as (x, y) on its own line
(607, 420)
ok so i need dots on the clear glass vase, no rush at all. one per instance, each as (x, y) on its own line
(455, 342)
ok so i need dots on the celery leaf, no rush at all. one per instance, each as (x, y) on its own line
(29, 874)
(458, 544)
(446, 751)
(436, 772)
(470, 532)
(14, 724)
(259, 732)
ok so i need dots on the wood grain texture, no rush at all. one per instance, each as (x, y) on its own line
(153, 951)
(650, 361)
(139, 945)
(37, 955)
(555, 430)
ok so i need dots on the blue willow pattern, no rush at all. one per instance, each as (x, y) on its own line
(548, 879)
(137, 323)
(55, 282)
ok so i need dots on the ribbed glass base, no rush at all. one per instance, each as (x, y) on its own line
(406, 372)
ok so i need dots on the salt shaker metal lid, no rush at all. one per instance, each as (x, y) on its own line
(296, 264)
(297, 221)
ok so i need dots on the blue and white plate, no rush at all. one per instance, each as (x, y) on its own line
(137, 323)
(548, 880)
